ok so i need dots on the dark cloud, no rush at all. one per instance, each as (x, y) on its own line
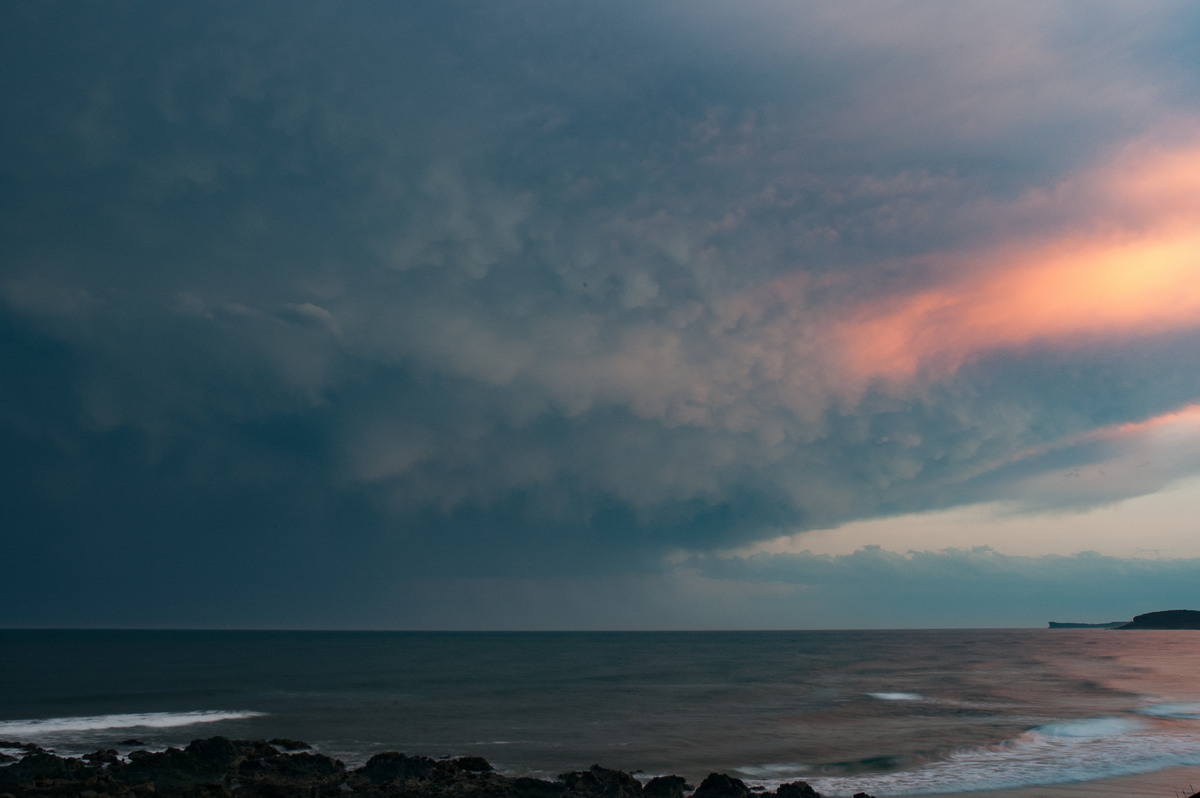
(507, 290)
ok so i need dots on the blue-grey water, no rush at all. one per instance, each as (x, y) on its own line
(885, 712)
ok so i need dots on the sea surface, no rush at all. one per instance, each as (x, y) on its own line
(886, 712)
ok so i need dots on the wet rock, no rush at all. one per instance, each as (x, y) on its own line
(288, 744)
(391, 766)
(41, 766)
(172, 768)
(721, 785)
(312, 770)
(108, 756)
(666, 787)
(223, 751)
(472, 764)
(218, 767)
(598, 782)
(203, 768)
(525, 787)
(131, 741)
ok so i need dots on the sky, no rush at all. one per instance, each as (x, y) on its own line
(599, 315)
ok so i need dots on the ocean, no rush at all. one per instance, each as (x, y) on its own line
(885, 712)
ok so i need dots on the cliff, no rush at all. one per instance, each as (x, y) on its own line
(1166, 619)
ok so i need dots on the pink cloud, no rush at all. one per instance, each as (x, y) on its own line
(1129, 267)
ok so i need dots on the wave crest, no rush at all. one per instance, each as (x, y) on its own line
(144, 720)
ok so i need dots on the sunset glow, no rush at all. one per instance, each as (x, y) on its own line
(1072, 290)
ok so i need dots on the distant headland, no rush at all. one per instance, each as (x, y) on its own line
(1164, 619)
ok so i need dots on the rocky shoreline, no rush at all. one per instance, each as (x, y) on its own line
(218, 767)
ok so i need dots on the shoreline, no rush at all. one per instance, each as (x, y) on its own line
(1182, 781)
(217, 767)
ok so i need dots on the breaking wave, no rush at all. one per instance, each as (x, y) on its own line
(897, 696)
(1056, 753)
(144, 720)
(1180, 711)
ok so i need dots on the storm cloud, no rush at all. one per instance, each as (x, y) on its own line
(302, 306)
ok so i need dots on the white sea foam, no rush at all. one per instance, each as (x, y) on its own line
(946, 702)
(1181, 711)
(781, 772)
(1056, 753)
(1090, 727)
(144, 720)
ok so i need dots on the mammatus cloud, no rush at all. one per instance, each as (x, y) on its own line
(481, 291)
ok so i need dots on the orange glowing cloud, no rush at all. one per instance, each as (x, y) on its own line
(1140, 276)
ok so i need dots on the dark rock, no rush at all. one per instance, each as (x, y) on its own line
(862, 795)
(131, 741)
(473, 764)
(1166, 619)
(203, 767)
(221, 750)
(289, 745)
(218, 767)
(214, 751)
(209, 789)
(720, 785)
(666, 787)
(174, 768)
(106, 757)
(602, 783)
(391, 766)
(526, 787)
(796, 789)
(41, 766)
(290, 773)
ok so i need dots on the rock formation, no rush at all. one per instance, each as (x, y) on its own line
(218, 767)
